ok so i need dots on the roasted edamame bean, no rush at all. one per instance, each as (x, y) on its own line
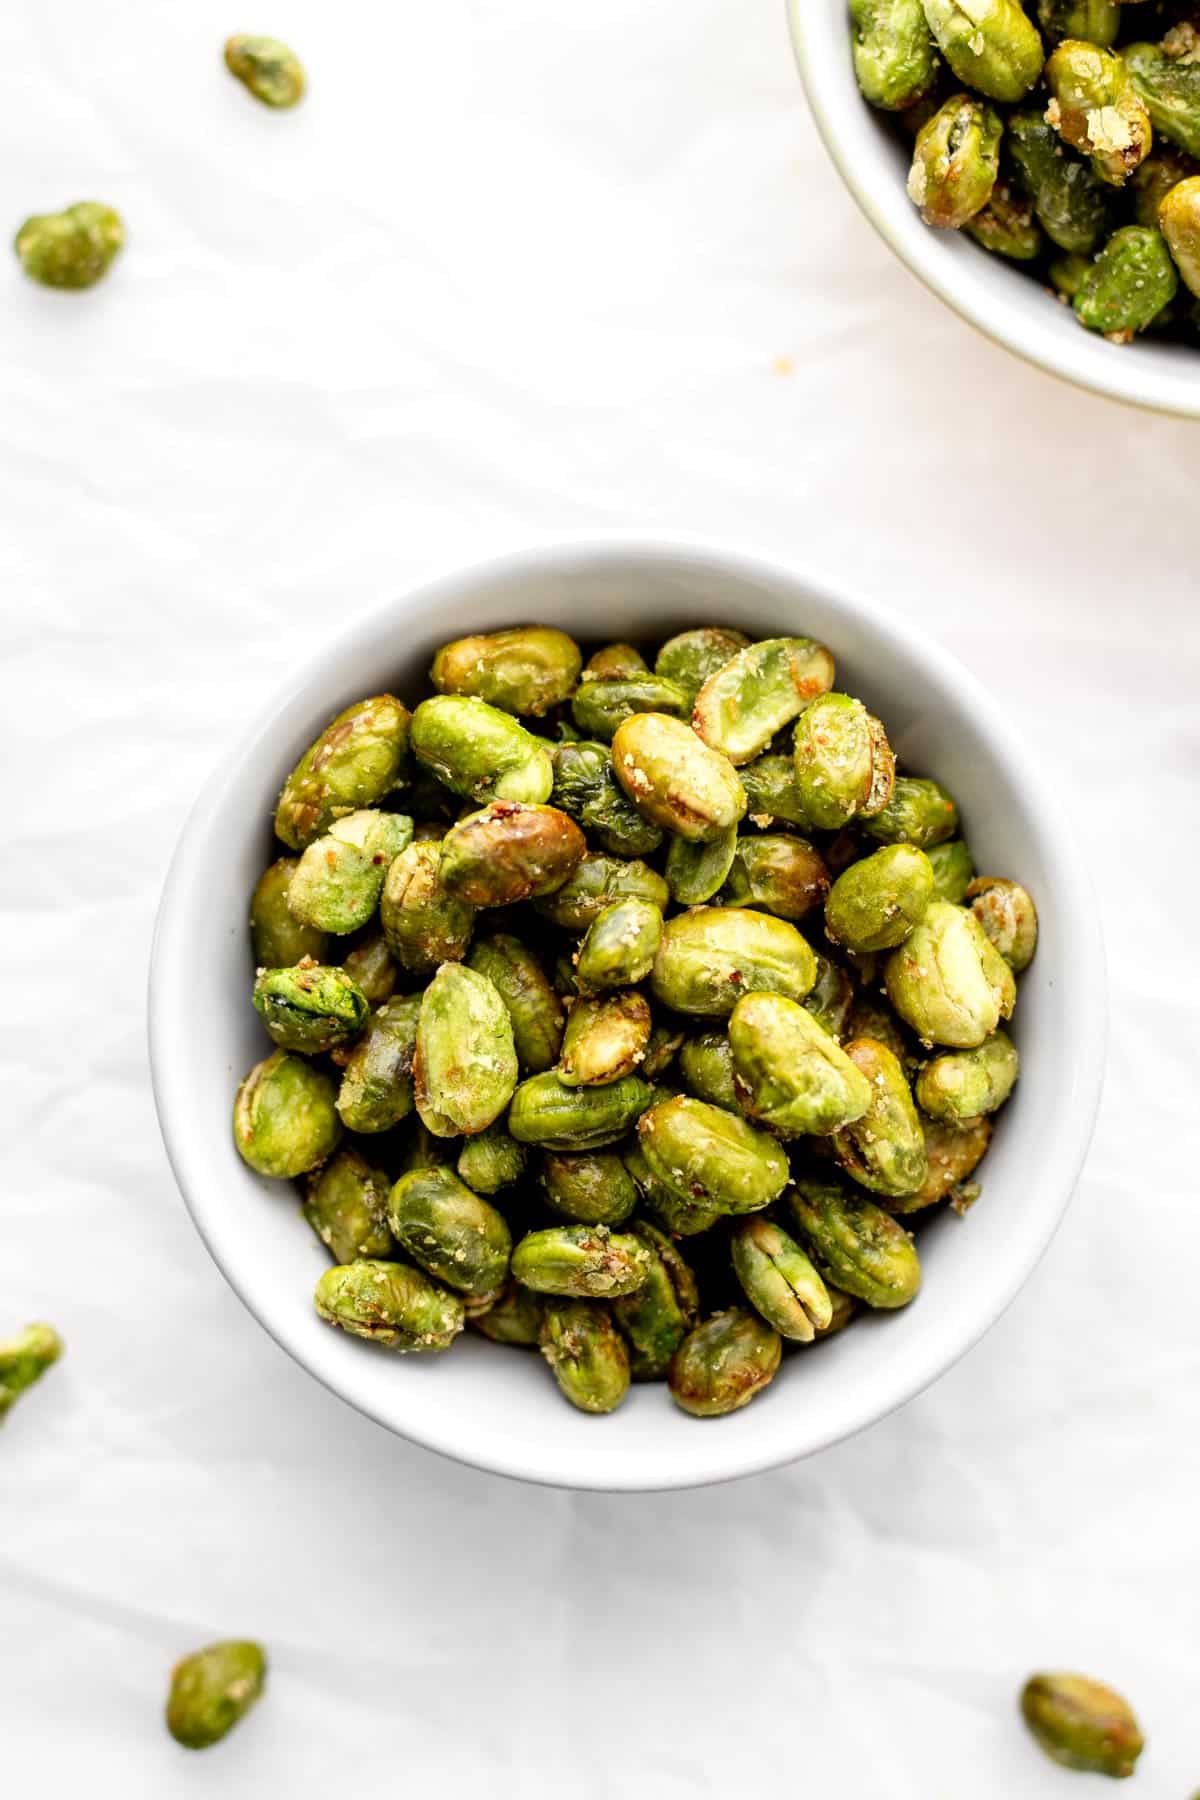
(513, 979)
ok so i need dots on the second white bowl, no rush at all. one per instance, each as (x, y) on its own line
(983, 289)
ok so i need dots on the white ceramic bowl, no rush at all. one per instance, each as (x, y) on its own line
(498, 1408)
(985, 290)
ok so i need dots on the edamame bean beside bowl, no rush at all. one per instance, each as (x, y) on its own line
(566, 1049)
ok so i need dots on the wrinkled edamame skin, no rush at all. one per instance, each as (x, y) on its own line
(1169, 89)
(284, 1118)
(424, 925)
(553, 1117)
(991, 45)
(706, 1065)
(947, 981)
(1128, 285)
(696, 872)
(310, 1008)
(884, 1149)
(212, 1690)
(952, 1154)
(788, 1072)
(347, 1208)
(619, 946)
(919, 812)
(452, 1232)
(1007, 225)
(602, 702)
(895, 61)
(759, 691)
(509, 852)
(514, 1317)
(1082, 1724)
(370, 965)
(279, 939)
(968, 1083)
(340, 876)
(724, 1363)
(855, 1244)
(491, 1161)
(1073, 205)
(465, 1061)
(665, 1043)
(771, 791)
(376, 1091)
(534, 1008)
(658, 1316)
(953, 870)
(599, 882)
(674, 778)
(605, 1038)
(844, 765)
(876, 902)
(586, 787)
(678, 1214)
(710, 957)
(956, 162)
(529, 669)
(586, 1354)
(479, 752)
(778, 873)
(1096, 108)
(709, 1157)
(266, 68)
(779, 1280)
(390, 1304)
(72, 249)
(1008, 917)
(24, 1359)
(691, 657)
(591, 1187)
(1095, 21)
(358, 757)
(613, 660)
(584, 1262)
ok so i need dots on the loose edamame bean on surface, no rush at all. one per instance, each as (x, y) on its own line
(212, 1690)
(267, 69)
(74, 248)
(1082, 1724)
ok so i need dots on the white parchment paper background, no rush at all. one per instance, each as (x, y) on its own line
(513, 270)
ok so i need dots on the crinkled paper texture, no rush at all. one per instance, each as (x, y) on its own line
(512, 270)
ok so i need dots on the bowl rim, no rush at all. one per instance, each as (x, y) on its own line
(1063, 1158)
(1084, 366)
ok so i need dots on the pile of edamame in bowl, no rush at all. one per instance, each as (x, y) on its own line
(1063, 136)
(636, 1012)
